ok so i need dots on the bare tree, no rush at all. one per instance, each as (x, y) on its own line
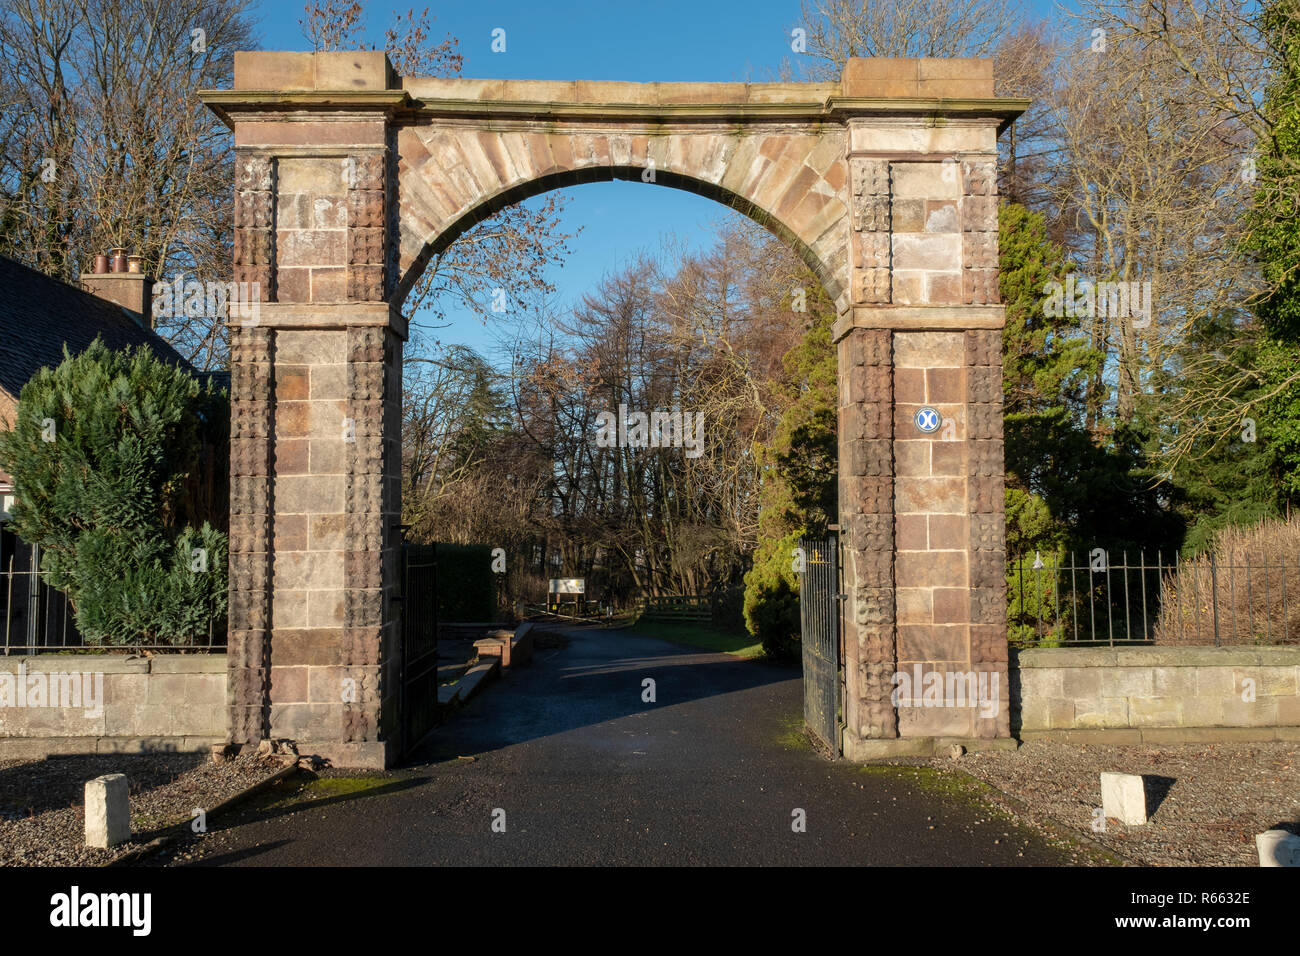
(511, 250)
(103, 141)
(840, 29)
(1214, 58)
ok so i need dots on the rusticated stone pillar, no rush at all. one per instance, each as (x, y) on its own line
(371, 539)
(921, 503)
(254, 251)
(248, 685)
(316, 496)
(985, 500)
(251, 357)
(867, 523)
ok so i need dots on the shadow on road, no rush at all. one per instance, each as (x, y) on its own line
(601, 675)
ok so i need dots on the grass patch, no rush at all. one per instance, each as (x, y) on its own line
(928, 779)
(703, 636)
(792, 734)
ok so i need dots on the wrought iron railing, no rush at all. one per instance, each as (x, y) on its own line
(36, 617)
(1120, 597)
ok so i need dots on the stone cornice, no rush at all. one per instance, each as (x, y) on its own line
(833, 109)
(227, 103)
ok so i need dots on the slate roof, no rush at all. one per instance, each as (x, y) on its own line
(39, 314)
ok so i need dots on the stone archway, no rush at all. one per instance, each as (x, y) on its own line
(349, 178)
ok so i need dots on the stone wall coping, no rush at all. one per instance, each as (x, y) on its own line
(1161, 736)
(1240, 656)
(189, 664)
(116, 663)
(37, 748)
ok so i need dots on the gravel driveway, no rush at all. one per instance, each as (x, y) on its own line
(1210, 800)
(42, 805)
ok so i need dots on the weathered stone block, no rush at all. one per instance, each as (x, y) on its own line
(873, 606)
(870, 177)
(980, 250)
(1099, 713)
(870, 458)
(1123, 798)
(984, 421)
(108, 811)
(871, 213)
(872, 286)
(979, 177)
(908, 215)
(948, 458)
(985, 494)
(927, 180)
(986, 461)
(365, 245)
(983, 347)
(988, 642)
(979, 214)
(873, 250)
(988, 532)
(1278, 848)
(938, 252)
(979, 286)
(1127, 682)
(935, 494)
(922, 569)
(987, 569)
(929, 349)
(1155, 712)
(254, 172)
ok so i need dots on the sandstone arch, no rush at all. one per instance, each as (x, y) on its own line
(349, 178)
(788, 180)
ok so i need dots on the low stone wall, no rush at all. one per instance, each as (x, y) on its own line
(1156, 694)
(102, 703)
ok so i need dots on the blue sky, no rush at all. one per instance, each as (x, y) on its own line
(667, 40)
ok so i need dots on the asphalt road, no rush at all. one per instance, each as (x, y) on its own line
(581, 770)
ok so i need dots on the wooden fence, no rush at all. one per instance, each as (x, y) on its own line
(682, 608)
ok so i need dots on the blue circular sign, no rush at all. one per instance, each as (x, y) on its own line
(928, 420)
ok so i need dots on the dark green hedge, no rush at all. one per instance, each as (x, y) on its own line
(113, 457)
(466, 585)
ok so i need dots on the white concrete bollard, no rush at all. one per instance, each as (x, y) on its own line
(1124, 798)
(108, 811)
(1278, 848)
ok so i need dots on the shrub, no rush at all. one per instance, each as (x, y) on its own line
(772, 599)
(1038, 611)
(106, 457)
(1250, 575)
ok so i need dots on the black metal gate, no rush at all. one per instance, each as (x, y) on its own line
(419, 701)
(819, 612)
